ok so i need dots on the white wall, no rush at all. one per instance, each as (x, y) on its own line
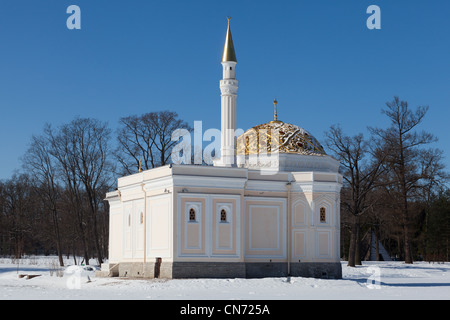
(207, 236)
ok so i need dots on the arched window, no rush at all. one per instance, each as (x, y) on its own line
(223, 215)
(323, 215)
(192, 214)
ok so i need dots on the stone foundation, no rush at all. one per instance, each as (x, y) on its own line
(208, 270)
(177, 270)
(321, 270)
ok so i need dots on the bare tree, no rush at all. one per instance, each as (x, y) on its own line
(62, 148)
(146, 140)
(39, 162)
(19, 210)
(407, 162)
(3, 237)
(92, 166)
(360, 172)
(432, 187)
(81, 148)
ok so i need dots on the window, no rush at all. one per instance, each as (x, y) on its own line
(223, 215)
(323, 215)
(192, 214)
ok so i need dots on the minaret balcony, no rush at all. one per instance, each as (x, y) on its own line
(229, 86)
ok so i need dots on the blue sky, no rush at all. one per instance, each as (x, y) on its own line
(317, 58)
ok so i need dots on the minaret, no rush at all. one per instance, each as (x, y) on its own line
(228, 89)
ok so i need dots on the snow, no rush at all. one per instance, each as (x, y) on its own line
(393, 280)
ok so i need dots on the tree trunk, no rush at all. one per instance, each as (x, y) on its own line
(357, 243)
(83, 239)
(352, 246)
(57, 237)
(97, 242)
(93, 207)
(377, 246)
(408, 253)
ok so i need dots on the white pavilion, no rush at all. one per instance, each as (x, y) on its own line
(268, 207)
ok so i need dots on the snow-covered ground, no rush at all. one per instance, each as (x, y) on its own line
(372, 280)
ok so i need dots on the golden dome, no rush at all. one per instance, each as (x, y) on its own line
(278, 137)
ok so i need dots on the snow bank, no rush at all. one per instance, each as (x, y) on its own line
(374, 280)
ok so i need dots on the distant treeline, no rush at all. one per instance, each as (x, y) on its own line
(55, 204)
(395, 187)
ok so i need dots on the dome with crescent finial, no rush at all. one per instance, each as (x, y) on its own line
(278, 137)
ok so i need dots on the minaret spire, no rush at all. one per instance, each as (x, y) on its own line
(228, 89)
(228, 50)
